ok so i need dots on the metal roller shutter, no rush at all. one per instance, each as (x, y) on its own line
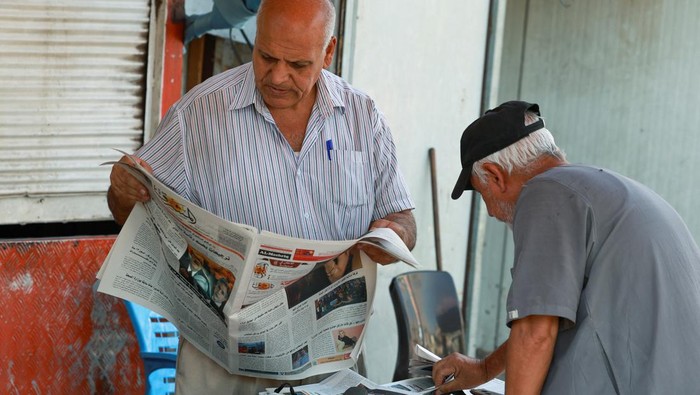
(72, 87)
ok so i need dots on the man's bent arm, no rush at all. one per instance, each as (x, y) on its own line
(530, 349)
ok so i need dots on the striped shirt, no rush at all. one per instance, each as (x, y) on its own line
(219, 147)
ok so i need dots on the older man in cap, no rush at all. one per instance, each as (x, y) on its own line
(605, 297)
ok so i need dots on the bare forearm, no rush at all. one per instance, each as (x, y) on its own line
(529, 354)
(495, 363)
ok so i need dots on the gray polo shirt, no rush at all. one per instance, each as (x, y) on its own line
(617, 264)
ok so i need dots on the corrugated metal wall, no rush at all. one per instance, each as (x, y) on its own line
(72, 87)
(617, 82)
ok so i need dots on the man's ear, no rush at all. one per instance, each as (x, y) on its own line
(328, 55)
(496, 177)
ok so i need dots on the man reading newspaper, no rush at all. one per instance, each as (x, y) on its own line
(281, 145)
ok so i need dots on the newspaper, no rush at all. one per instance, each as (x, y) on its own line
(257, 303)
(341, 382)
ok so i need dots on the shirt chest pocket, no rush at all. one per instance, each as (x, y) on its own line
(348, 183)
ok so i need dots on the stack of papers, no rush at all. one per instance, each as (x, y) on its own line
(341, 381)
(422, 362)
(424, 359)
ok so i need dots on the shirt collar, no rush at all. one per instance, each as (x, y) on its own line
(328, 95)
(247, 94)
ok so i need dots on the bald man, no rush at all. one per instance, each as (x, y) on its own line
(279, 144)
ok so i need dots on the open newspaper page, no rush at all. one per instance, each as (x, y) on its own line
(343, 380)
(259, 304)
(318, 319)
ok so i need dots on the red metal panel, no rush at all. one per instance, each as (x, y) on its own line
(172, 62)
(58, 335)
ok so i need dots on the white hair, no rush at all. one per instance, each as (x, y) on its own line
(523, 153)
(329, 27)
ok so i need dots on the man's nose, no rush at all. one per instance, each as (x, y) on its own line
(279, 73)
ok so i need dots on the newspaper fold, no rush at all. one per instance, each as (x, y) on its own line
(257, 303)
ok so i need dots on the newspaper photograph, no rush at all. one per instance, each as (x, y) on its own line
(257, 303)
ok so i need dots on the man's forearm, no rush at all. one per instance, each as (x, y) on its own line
(529, 354)
(495, 363)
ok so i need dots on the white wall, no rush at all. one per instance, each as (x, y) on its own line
(422, 61)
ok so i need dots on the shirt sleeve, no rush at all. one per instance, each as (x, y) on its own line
(390, 188)
(165, 153)
(551, 230)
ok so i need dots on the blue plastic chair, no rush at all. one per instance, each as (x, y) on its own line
(158, 342)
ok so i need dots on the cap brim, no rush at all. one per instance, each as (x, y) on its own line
(464, 182)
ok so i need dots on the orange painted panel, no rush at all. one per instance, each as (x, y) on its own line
(58, 335)
(172, 62)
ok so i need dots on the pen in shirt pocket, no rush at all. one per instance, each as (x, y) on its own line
(329, 147)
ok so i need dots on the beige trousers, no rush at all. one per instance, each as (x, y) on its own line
(198, 374)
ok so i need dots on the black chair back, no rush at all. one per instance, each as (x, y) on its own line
(427, 313)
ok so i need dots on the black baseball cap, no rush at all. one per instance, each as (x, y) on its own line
(496, 129)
